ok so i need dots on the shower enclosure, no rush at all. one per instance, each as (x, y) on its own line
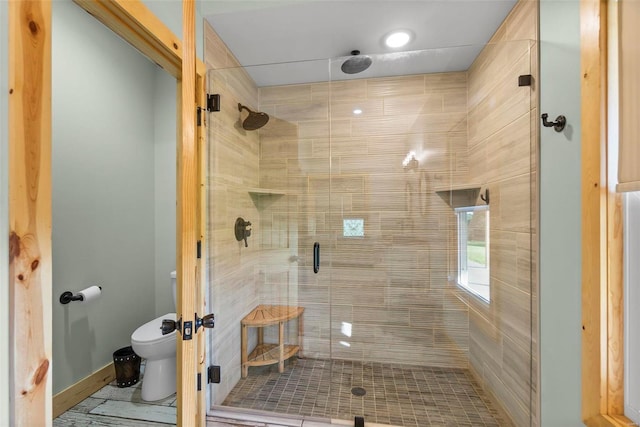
(397, 212)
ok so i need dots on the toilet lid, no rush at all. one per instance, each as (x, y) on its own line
(151, 331)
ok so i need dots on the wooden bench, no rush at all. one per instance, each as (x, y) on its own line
(265, 353)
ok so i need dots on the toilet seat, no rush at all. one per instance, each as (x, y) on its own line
(151, 332)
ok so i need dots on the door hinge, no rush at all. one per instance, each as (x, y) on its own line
(213, 102)
(525, 80)
(199, 381)
(199, 116)
(199, 249)
(358, 422)
(213, 374)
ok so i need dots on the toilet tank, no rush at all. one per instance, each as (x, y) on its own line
(173, 289)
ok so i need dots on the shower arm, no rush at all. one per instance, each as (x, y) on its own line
(242, 107)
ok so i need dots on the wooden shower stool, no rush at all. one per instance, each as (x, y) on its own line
(268, 354)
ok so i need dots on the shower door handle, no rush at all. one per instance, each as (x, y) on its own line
(316, 257)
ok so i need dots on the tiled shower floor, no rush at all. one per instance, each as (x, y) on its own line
(410, 396)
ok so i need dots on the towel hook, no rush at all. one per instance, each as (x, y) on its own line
(558, 125)
(485, 196)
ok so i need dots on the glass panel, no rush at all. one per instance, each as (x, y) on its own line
(373, 170)
(269, 165)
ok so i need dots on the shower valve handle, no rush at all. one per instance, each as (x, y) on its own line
(242, 230)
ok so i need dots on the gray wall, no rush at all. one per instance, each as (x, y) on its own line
(560, 225)
(164, 102)
(104, 176)
(170, 13)
(4, 214)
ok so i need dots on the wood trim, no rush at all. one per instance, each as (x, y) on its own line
(30, 211)
(615, 297)
(201, 221)
(187, 226)
(602, 235)
(594, 198)
(84, 388)
(135, 23)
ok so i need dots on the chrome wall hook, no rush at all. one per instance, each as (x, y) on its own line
(558, 125)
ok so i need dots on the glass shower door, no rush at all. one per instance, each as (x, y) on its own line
(268, 166)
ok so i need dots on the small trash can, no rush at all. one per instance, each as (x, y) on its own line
(127, 364)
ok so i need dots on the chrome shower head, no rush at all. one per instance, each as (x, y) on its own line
(356, 64)
(255, 120)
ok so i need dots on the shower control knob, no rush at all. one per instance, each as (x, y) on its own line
(206, 322)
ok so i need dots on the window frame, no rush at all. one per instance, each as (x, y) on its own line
(602, 234)
(466, 286)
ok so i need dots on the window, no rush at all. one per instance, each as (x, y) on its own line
(353, 227)
(473, 250)
(632, 305)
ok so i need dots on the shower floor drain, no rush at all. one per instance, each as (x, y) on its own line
(358, 391)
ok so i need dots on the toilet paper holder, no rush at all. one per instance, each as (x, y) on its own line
(67, 297)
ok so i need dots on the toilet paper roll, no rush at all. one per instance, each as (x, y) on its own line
(91, 293)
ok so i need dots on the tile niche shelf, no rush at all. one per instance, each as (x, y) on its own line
(459, 195)
(259, 192)
(263, 197)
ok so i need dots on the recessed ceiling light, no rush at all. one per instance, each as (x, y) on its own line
(397, 39)
(357, 111)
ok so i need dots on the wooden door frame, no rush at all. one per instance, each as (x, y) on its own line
(602, 234)
(30, 258)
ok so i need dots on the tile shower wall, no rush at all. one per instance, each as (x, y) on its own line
(385, 297)
(502, 155)
(233, 168)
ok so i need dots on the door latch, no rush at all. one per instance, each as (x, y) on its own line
(206, 322)
(185, 328)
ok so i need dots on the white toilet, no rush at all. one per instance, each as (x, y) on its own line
(159, 380)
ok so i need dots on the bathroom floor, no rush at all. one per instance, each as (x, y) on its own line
(410, 396)
(124, 407)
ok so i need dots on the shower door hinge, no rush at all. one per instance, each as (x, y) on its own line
(213, 374)
(199, 116)
(213, 102)
(525, 80)
(199, 381)
(199, 249)
(358, 422)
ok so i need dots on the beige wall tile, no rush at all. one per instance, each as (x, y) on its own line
(415, 104)
(395, 86)
(522, 22)
(284, 94)
(393, 285)
(344, 109)
(396, 125)
(300, 111)
(445, 82)
(348, 90)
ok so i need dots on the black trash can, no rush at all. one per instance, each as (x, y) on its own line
(127, 364)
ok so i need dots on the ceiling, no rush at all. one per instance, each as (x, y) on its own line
(288, 42)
